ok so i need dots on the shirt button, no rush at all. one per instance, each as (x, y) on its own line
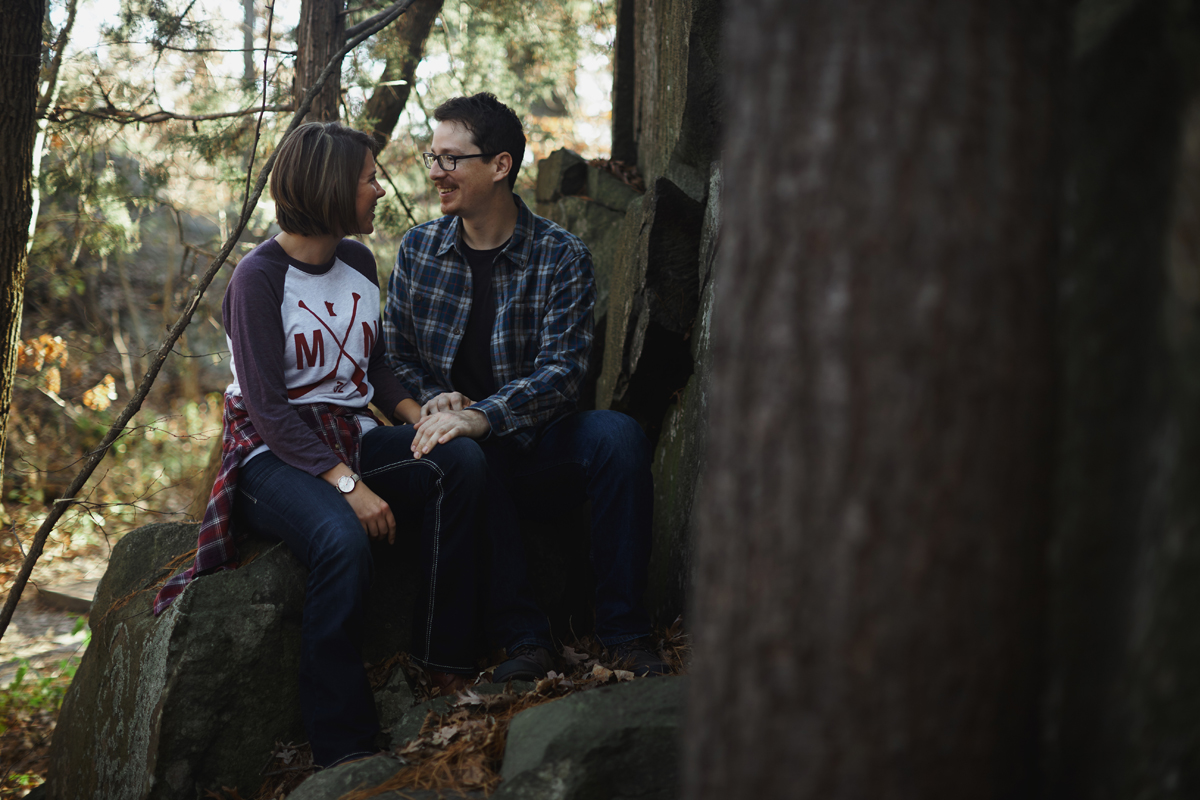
(458, 331)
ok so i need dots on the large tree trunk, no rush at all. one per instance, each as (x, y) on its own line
(407, 36)
(21, 53)
(321, 33)
(1124, 697)
(870, 588)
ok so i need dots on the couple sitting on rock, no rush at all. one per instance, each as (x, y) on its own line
(484, 348)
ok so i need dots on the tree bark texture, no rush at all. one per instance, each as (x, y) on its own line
(1124, 695)
(873, 527)
(321, 33)
(408, 37)
(624, 145)
(21, 54)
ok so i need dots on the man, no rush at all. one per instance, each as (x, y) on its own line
(489, 324)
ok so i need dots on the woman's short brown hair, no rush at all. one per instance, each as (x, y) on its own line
(315, 179)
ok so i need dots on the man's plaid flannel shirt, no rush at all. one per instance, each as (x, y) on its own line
(216, 549)
(544, 293)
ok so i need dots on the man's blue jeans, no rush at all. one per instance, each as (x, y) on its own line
(601, 456)
(319, 527)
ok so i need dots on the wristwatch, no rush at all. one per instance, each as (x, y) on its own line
(346, 483)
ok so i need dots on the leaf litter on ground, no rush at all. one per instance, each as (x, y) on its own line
(462, 749)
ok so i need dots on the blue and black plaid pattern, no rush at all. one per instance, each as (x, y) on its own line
(544, 293)
(216, 549)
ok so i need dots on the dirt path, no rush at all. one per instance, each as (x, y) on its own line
(41, 630)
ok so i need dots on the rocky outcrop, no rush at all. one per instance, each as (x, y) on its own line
(615, 742)
(651, 358)
(674, 69)
(618, 741)
(153, 709)
(680, 459)
(196, 699)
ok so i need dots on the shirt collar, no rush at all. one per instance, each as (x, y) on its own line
(520, 246)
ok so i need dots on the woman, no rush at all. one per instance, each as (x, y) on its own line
(312, 465)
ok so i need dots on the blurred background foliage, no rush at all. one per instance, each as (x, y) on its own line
(138, 189)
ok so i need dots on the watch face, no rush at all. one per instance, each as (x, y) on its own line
(346, 484)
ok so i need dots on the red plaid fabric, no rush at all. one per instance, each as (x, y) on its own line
(338, 427)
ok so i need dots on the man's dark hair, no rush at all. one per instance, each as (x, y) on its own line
(494, 127)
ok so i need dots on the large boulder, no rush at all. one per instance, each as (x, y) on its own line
(616, 742)
(652, 307)
(670, 62)
(196, 699)
(679, 460)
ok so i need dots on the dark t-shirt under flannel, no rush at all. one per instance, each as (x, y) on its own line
(472, 371)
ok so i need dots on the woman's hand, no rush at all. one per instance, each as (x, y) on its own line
(446, 401)
(373, 513)
(407, 410)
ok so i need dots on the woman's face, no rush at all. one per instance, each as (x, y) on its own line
(369, 192)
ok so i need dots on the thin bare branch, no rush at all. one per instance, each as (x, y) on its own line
(135, 402)
(355, 30)
(60, 48)
(178, 49)
(159, 116)
(258, 126)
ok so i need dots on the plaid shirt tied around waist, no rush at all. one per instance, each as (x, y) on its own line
(337, 426)
(545, 294)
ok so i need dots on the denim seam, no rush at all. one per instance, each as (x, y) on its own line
(437, 539)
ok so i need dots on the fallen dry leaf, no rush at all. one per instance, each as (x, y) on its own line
(574, 656)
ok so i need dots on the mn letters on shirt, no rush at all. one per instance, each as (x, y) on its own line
(303, 333)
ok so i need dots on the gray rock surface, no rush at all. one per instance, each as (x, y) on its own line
(653, 302)
(590, 203)
(676, 84)
(192, 700)
(679, 460)
(394, 699)
(330, 784)
(617, 742)
(197, 698)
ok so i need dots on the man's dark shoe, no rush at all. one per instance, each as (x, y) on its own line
(640, 657)
(527, 663)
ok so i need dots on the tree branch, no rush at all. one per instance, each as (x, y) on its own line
(135, 403)
(119, 115)
(355, 30)
(178, 49)
(60, 48)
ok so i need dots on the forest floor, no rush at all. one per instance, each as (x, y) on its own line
(39, 654)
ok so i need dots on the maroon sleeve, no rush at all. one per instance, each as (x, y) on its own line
(254, 325)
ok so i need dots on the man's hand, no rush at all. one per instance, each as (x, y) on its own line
(443, 426)
(446, 401)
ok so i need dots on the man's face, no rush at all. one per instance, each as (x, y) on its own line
(466, 189)
(369, 192)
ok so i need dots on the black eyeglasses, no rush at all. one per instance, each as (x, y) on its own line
(447, 161)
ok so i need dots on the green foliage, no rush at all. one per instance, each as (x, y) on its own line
(33, 690)
(164, 23)
(526, 53)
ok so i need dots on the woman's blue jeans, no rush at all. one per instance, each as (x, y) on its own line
(442, 490)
